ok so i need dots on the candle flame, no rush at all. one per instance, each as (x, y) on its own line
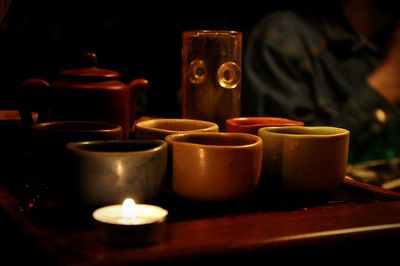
(129, 209)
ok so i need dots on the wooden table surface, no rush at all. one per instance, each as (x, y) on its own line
(358, 213)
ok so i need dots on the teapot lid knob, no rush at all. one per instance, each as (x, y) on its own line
(89, 71)
(89, 59)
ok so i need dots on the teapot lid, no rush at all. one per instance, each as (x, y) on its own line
(90, 71)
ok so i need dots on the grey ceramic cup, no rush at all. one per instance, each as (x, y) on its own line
(107, 172)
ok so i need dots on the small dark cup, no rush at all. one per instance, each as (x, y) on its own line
(12, 131)
(48, 140)
(13, 144)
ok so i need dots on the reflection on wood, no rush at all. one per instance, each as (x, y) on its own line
(364, 212)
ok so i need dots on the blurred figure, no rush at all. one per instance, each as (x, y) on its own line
(3, 8)
(330, 63)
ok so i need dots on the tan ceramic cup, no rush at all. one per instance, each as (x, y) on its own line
(158, 129)
(162, 127)
(213, 166)
(305, 158)
(252, 124)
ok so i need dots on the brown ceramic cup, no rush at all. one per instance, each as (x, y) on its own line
(213, 166)
(252, 124)
(158, 129)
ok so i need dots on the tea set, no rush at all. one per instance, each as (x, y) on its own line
(80, 126)
(87, 150)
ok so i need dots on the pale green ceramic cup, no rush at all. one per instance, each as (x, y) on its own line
(304, 158)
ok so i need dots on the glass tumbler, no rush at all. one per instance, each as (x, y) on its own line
(211, 75)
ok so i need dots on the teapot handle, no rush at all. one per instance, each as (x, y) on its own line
(32, 97)
(136, 88)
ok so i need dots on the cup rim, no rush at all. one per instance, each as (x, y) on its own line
(307, 131)
(174, 138)
(150, 125)
(256, 121)
(211, 32)
(80, 146)
(52, 126)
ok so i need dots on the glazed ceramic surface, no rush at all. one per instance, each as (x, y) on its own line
(88, 93)
(160, 128)
(215, 166)
(305, 159)
(107, 172)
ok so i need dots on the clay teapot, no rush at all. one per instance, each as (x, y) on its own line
(88, 93)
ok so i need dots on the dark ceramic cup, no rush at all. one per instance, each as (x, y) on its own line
(12, 131)
(13, 144)
(48, 140)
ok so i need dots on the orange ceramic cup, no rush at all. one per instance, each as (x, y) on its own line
(214, 166)
(252, 124)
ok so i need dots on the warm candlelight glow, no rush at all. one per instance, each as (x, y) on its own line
(131, 223)
(130, 213)
(128, 209)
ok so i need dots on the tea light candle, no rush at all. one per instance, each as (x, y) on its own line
(131, 223)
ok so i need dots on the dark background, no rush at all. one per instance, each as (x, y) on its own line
(40, 38)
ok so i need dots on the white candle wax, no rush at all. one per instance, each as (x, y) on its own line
(144, 214)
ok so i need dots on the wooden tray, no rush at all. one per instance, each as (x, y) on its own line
(246, 230)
